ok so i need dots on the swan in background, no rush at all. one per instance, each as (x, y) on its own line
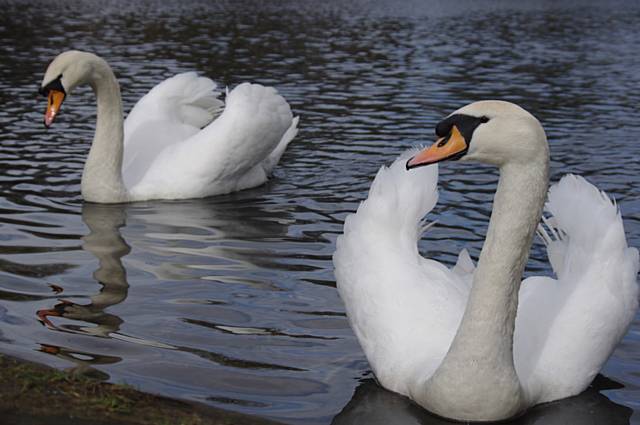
(176, 143)
(450, 339)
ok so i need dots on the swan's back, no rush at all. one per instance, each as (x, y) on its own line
(235, 151)
(170, 113)
(567, 328)
(403, 308)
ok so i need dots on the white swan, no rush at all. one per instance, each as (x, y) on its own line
(162, 150)
(450, 339)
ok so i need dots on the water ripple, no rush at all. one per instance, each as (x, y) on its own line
(231, 301)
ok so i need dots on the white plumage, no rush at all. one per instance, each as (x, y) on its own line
(568, 327)
(179, 141)
(237, 150)
(406, 310)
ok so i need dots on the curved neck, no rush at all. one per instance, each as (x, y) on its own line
(102, 176)
(493, 301)
(480, 358)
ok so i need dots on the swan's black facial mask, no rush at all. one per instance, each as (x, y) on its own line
(455, 133)
(56, 94)
(55, 84)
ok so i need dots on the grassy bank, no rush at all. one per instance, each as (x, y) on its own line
(33, 394)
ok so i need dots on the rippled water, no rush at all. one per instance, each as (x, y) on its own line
(230, 300)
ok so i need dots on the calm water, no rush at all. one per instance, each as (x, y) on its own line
(231, 301)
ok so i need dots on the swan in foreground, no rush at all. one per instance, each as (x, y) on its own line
(176, 142)
(450, 339)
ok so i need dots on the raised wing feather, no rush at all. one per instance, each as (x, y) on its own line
(170, 113)
(404, 308)
(568, 327)
(227, 154)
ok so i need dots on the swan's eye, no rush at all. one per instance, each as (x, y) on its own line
(444, 141)
(466, 125)
(53, 85)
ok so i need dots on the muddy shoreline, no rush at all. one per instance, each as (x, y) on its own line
(32, 394)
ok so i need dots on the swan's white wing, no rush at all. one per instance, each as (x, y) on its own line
(228, 154)
(567, 328)
(269, 163)
(403, 308)
(170, 113)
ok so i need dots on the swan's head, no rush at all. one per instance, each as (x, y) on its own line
(489, 131)
(67, 71)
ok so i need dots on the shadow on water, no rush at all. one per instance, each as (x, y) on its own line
(373, 405)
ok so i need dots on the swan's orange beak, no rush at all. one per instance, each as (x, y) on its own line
(56, 97)
(56, 311)
(451, 147)
(49, 349)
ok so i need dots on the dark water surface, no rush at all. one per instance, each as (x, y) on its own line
(231, 300)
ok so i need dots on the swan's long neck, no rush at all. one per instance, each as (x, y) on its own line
(477, 375)
(102, 176)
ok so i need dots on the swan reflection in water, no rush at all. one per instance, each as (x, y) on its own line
(105, 242)
(200, 228)
(209, 230)
(84, 361)
(373, 405)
